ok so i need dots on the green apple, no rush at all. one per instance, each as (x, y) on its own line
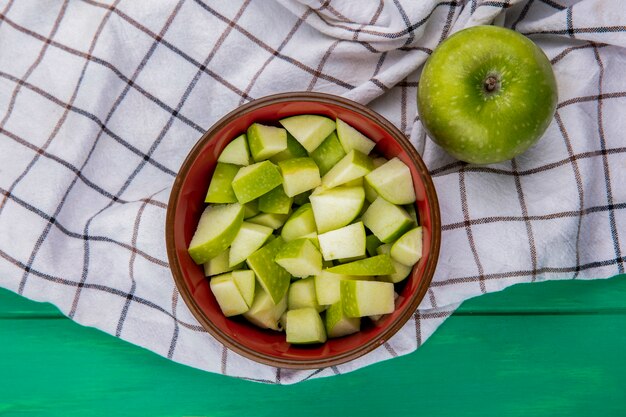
(254, 180)
(220, 188)
(275, 201)
(387, 221)
(328, 153)
(352, 166)
(266, 141)
(393, 182)
(264, 312)
(245, 281)
(299, 175)
(273, 220)
(302, 294)
(408, 248)
(304, 326)
(300, 258)
(300, 224)
(236, 152)
(294, 150)
(338, 324)
(402, 271)
(336, 207)
(216, 230)
(272, 277)
(251, 236)
(376, 265)
(228, 295)
(351, 138)
(486, 94)
(309, 129)
(366, 298)
(345, 242)
(327, 289)
(219, 264)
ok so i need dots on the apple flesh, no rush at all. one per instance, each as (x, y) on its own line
(486, 94)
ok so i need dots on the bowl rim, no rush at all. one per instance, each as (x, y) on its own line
(417, 297)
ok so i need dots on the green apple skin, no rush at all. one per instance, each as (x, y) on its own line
(486, 94)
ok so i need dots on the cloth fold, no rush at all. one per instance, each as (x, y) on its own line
(100, 101)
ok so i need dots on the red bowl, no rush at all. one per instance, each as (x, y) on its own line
(187, 203)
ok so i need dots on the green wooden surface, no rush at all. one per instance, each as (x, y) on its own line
(549, 349)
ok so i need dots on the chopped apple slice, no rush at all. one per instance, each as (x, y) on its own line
(254, 180)
(272, 220)
(354, 165)
(344, 242)
(351, 138)
(228, 296)
(300, 258)
(393, 182)
(327, 289)
(386, 220)
(219, 264)
(245, 279)
(275, 201)
(302, 294)
(376, 265)
(236, 152)
(250, 238)
(264, 312)
(402, 271)
(328, 153)
(408, 248)
(338, 324)
(294, 150)
(299, 175)
(266, 141)
(216, 230)
(366, 298)
(305, 326)
(220, 188)
(336, 207)
(272, 277)
(300, 224)
(309, 129)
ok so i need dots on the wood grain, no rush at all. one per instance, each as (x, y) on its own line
(549, 349)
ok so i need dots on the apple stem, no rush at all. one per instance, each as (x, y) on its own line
(491, 84)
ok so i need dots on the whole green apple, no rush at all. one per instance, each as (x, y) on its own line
(486, 94)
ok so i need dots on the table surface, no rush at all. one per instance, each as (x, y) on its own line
(546, 349)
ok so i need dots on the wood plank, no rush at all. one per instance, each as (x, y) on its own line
(483, 366)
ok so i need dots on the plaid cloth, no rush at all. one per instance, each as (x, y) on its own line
(100, 101)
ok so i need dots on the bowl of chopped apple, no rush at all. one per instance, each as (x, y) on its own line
(303, 230)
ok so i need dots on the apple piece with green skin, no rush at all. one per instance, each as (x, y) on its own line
(294, 150)
(366, 298)
(272, 220)
(275, 201)
(249, 239)
(216, 230)
(328, 153)
(236, 152)
(263, 312)
(272, 277)
(305, 326)
(266, 141)
(245, 281)
(220, 188)
(299, 175)
(302, 294)
(351, 138)
(300, 224)
(309, 129)
(352, 166)
(254, 180)
(336, 207)
(486, 94)
(393, 182)
(387, 221)
(408, 248)
(338, 324)
(402, 271)
(219, 264)
(228, 295)
(345, 242)
(375, 265)
(300, 258)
